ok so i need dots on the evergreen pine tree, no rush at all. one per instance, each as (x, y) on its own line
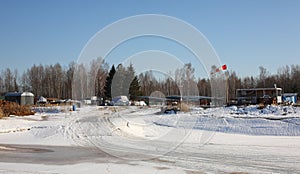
(108, 82)
(135, 88)
(120, 84)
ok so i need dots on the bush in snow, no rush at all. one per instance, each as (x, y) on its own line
(185, 107)
(1, 113)
(12, 108)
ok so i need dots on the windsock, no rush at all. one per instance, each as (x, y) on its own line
(222, 68)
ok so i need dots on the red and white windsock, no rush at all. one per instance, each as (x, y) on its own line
(222, 68)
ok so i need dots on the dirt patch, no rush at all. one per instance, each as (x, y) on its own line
(53, 155)
(11, 108)
(10, 148)
(163, 161)
(15, 130)
(162, 168)
(193, 172)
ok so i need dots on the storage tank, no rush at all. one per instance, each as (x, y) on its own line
(27, 98)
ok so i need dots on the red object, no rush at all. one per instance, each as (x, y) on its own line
(222, 68)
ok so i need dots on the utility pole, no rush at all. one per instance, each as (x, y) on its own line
(227, 87)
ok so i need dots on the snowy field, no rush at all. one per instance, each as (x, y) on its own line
(141, 140)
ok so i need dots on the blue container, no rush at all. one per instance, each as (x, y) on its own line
(74, 107)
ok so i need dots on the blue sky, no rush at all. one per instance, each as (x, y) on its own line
(245, 34)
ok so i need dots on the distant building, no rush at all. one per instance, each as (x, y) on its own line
(290, 98)
(259, 95)
(22, 98)
(193, 100)
(94, 100)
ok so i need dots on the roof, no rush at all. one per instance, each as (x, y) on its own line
(290, 94)
(27, 94)
(190, 98)
(260, 89)
(13, 94)
(19, 94)
(176, 97)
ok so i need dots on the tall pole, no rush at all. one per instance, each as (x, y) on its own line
(275, 85)
(227, 87)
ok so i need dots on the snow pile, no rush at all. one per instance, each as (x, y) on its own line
(255, 111)
(52, 109)
(41, 128)
(272, 120)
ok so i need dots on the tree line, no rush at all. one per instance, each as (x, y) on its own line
(97, 78)
(42, 80)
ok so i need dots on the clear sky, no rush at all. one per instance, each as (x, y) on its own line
(246, 34)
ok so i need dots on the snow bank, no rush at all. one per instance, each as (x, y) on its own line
(272, 120)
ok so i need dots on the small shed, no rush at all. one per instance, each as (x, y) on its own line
(22, 98)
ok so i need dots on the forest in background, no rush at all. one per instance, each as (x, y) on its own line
(96, 79)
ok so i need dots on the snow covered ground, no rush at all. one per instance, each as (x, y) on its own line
(140, 140)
